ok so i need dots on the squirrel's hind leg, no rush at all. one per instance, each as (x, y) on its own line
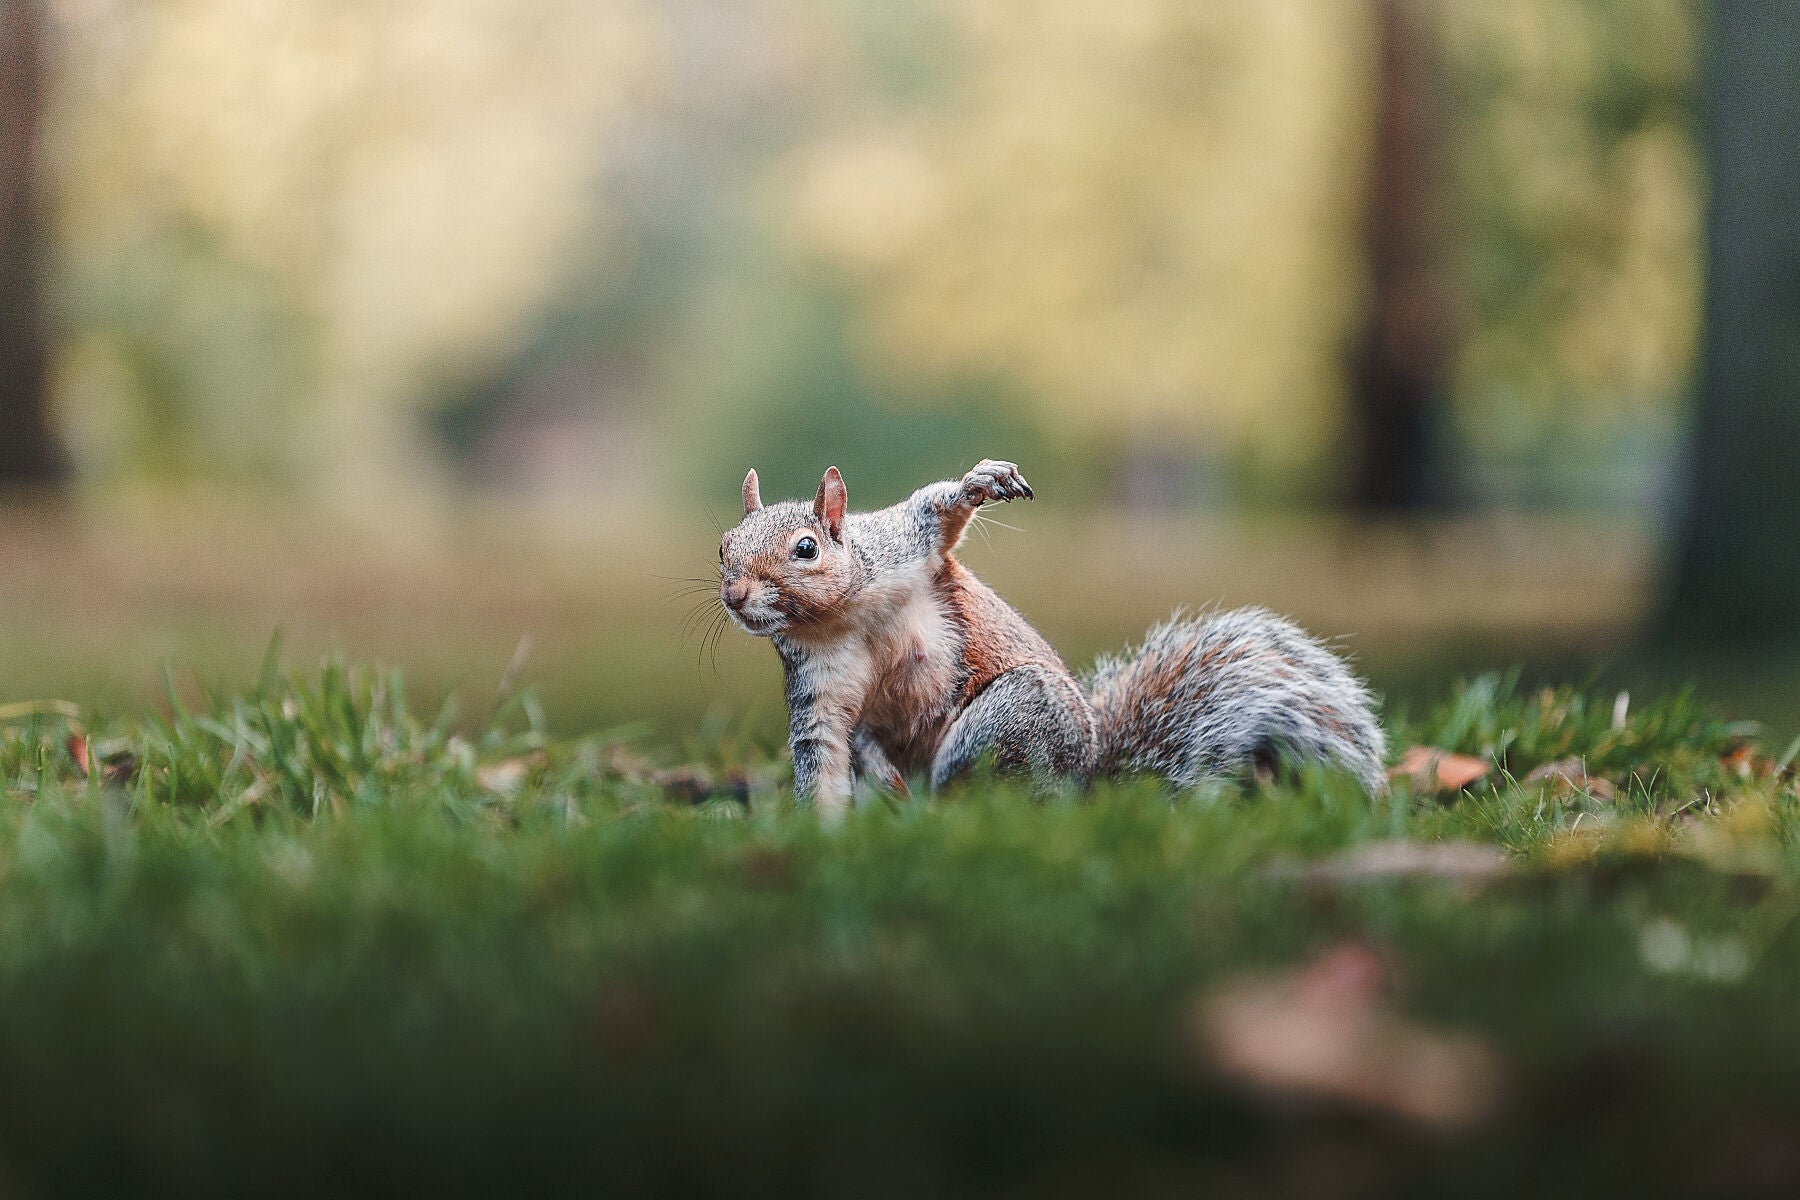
(1034, 721)
(871, 762)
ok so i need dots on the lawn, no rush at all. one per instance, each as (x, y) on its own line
(307, 938)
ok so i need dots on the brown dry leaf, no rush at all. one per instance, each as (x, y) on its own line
(692, 784)
(508, 776)
(697, 785)
(1329, 1031)
(628, 764)
(1571, 775)
(117, 762)
(1430, 769)
(1397, 858)
(78, 749)
(1746, 763)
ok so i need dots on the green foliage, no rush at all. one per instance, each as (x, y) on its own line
(1673, 744)
(1577, 183)
(305, 938)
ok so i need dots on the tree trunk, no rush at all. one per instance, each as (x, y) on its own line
(29, 452)
(1738, 566)
(1397, 367)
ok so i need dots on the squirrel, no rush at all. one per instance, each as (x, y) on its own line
(898, 660)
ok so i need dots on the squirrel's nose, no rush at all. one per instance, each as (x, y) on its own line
(734, 592)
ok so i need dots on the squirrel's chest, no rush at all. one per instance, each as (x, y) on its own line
(913, 681)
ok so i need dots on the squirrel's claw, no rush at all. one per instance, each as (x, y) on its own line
(993, 480)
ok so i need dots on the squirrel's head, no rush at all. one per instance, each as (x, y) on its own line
(787, 565)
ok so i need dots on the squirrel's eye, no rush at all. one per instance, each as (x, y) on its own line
(721, 552)
(806, 548)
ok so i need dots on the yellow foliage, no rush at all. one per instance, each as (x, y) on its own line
(409, 175)
(1141, 214)
(1588, 839)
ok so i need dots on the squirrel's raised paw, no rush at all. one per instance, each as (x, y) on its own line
(991, 480)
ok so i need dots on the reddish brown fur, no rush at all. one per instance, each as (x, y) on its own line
(990, 639)
(995, 639)
(804, 597)
(951, 525)
(1157, 681)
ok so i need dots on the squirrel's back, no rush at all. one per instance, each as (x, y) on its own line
(1222, 694)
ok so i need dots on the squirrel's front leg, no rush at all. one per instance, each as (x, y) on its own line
(822, 769)
(819, 726)
(819, 737)
(957, 502)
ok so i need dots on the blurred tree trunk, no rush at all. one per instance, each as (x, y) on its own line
(1738, 571)
(1397, 368)
(29, 452)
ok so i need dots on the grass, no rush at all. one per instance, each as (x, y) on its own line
(302, 938)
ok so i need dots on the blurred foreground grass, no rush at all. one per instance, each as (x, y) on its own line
(94, 601)
(306, 938)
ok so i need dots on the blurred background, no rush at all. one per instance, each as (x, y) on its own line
(443, 333)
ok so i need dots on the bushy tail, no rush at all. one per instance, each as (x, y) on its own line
(1222, 694)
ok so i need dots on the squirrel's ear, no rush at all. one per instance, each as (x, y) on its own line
(830, 503)
(752, 493)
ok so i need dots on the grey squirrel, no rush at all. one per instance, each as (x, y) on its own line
(899, 660)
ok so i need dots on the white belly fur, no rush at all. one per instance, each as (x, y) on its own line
(899, 659)
(915, 658)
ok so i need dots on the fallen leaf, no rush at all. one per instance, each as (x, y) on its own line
(1400, 858)
(508, 776)
(627, 764)
(1746, 763)
(116, 760)
(1571, 775)
(689, 784)
(1330, 1031)
(78, 749)
(696, 785)
(1430, 769)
